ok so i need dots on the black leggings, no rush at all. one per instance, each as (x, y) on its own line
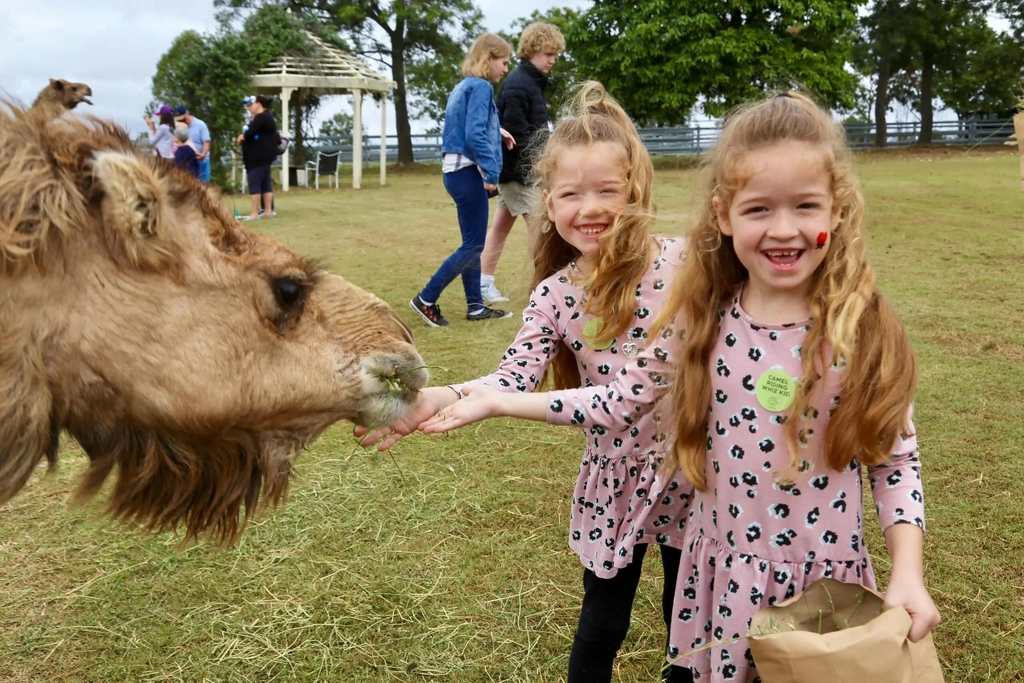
(604, 618)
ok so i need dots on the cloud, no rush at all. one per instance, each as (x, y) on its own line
(114, 46)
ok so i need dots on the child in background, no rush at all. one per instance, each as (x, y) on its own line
(600, 278)
(471, 162)
(790, 372)
(523, 112)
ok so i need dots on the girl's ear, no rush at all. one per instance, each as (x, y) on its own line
(723, 216)
(549, 205)
(837, 215)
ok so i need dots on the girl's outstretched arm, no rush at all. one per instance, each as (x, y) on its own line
(480, 402)
(629, 395)
(906, 584)
(521, 370)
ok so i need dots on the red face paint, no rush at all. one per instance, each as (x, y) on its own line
(822, 239)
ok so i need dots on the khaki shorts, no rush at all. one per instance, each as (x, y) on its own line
(518, 198)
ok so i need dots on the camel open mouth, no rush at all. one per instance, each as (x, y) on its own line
(87, 100)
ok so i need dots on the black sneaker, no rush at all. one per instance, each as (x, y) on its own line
(486, 313)
(430, 314)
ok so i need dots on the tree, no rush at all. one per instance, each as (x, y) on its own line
(340, 125)
(929, 49)
(421, 42)
(881, 54)
(988, 73)
(209, 74)
(661, 58)
(937, 30)
(179, 73)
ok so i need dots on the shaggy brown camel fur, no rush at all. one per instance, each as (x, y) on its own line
(191, 358)
(60, 96)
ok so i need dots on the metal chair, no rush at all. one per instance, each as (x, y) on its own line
(326, 164)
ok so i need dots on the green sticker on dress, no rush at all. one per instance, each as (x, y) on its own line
(775, 390)
(590, 332)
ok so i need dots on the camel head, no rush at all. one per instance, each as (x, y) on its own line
(191, 358)
(63, 95)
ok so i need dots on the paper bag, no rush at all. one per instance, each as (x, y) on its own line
(1018, 129)
(837, 632)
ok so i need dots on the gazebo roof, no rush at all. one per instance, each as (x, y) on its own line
(325, 67)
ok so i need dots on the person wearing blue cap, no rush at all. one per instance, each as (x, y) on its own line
(199, 134)
(259, 150)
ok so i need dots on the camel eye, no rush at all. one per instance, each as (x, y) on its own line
(288, 293)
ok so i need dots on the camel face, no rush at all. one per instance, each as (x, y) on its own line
(59, 96)
(190, 358)
(72, 93)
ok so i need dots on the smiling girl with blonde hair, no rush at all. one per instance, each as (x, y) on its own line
(788, 371)
(600, 279)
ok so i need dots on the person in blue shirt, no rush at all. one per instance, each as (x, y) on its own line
(471, 153)
(199, 134)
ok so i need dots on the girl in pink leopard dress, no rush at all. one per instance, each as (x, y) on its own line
(790, 371)
(600, 280)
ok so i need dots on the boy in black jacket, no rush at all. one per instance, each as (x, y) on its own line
(523, 112)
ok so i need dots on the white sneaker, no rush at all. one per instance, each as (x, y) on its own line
(491, 294)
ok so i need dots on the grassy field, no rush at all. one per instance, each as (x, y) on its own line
(447, 560)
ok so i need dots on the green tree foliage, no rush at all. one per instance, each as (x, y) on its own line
(563, 75)
(917, 51)
(884, 54)
(660, 58)
(421, 42)
(209, 73)
(939, 33)
(340, 125)
(986, 80)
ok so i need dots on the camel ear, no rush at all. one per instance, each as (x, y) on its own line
(133, 193)
(57, 83)
(26, 432)
(134, 199)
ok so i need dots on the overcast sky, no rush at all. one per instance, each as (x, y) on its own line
(114, 45)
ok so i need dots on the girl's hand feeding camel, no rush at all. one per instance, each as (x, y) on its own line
(481, 402)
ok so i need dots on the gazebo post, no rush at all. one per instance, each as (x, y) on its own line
(383, 138)
(286, 98)
(357, 138)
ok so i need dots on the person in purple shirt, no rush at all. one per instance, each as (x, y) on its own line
(160, 136)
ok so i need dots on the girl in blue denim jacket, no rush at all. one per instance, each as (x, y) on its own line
(471, 149)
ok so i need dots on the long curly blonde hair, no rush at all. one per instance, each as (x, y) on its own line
(626, 248)
(853, 325)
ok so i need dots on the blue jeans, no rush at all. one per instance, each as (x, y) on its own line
(466, 187)
(204, 170)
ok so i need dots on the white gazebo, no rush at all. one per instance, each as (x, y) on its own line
(327, 69)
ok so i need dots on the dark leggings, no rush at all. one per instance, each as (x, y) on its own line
(604, 618)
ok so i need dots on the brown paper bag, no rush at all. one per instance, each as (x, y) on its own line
(1018, 129)
(837, 632)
